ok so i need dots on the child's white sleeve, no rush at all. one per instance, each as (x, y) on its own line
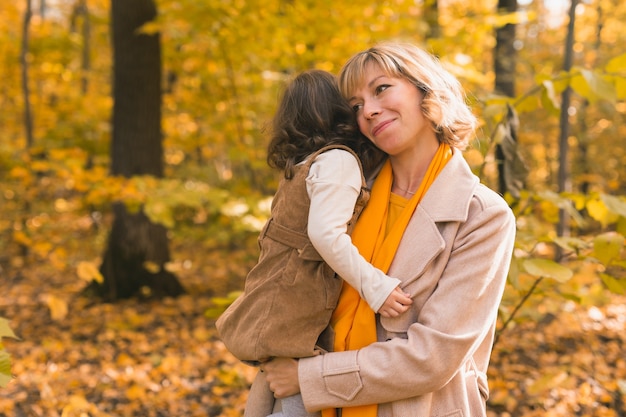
(333, 185)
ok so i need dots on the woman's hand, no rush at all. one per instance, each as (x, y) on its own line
(282, 376)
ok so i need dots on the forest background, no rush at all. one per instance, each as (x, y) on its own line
(98, 322)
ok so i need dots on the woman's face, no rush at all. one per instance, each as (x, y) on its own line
(388, 112)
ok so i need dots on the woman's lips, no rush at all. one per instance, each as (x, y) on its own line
(380, 127)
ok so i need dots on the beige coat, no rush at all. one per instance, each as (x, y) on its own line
(431, 361)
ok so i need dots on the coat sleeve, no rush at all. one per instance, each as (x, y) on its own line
(333, 184)
(457, 319)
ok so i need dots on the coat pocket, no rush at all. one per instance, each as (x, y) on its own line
(340, 378)
(344, 385)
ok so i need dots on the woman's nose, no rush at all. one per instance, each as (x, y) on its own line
(370, 110)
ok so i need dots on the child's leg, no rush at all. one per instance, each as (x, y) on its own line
(260, 398)
(294, 407)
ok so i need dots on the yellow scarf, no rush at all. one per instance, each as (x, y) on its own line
(353, 320)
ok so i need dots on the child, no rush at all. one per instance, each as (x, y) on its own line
(290, 294)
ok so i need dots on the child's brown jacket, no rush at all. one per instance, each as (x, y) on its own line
(290, 294)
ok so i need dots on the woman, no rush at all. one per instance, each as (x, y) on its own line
(290, 293)
(430, 223)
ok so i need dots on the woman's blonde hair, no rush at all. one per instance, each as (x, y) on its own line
(444, 100)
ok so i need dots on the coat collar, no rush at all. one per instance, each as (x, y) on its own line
(447, 200)
(449, 196)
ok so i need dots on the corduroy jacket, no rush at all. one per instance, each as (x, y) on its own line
(290, 294)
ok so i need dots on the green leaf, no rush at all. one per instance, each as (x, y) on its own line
(620, 87)
(573, 244)
(593, 86)
(221, 304)
(561, 82)
(159, 212)
(527, 104)
(508, 18)
(228, 300)
(607, 247)
(214, 312)
(546, 268)
(620, 227)
(5, 368)
(549, 98)
(617, 64)
(150, 28)
(598, 210)
(562, 203)
(614, 285)
(615, 204)
(513, 276)
(547, 381)
(5, 330)
(621, 263)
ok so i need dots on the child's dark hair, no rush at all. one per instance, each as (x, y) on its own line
(312, 114)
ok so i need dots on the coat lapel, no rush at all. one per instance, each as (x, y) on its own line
(447, 200)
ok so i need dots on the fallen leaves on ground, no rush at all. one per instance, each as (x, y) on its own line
(162, 358)
(568, 364)
(132, 358)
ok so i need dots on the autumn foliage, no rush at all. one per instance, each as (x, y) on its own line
(63, 352)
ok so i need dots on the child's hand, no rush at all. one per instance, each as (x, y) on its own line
(397, 303)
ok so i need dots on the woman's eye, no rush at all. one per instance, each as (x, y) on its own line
(381, 88)
(357, 107)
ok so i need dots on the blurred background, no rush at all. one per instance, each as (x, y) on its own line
(132, 167)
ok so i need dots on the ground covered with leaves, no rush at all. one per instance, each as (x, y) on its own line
(79, 357)
(568, 364)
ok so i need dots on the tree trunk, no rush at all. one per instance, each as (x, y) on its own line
(585, 137)
(564, 180)
(431, 16)
(505, 56)
(504, 64)
(28, 117)
(134, 244)
(137, 250)
(80, 16)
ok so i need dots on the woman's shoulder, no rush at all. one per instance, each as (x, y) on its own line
(488, 204)
(487, 198)
(469, 185)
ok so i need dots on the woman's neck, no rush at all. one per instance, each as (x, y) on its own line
(409, 168)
